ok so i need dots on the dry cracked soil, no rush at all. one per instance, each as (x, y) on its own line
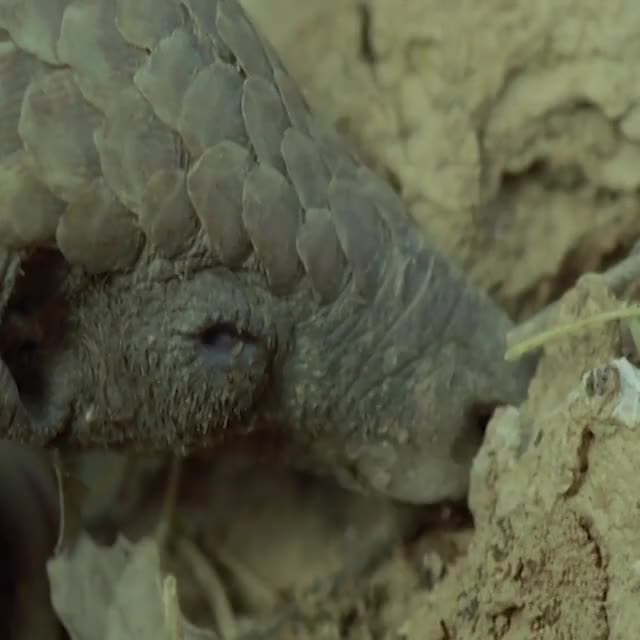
(512, 130)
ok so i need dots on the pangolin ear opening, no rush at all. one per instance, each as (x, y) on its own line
(231, 363)
(223, 346)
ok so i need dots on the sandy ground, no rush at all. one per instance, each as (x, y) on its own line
(512, 130)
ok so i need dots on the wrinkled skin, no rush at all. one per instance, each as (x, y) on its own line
(201, 258)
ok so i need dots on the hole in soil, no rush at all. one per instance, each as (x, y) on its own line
(469, 439)
(482, 414)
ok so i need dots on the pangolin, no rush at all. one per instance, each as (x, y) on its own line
(188, 253)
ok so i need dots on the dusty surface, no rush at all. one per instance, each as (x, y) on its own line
(515, 138)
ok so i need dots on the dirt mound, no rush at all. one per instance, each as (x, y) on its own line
(555, 501)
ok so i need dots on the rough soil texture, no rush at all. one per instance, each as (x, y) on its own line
(555, 502)
(512, 129)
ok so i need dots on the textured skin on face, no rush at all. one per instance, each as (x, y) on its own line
(218, 241)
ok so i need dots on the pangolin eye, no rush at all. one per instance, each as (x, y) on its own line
(224, 347)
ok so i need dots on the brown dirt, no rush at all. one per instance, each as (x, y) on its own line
(512, 130)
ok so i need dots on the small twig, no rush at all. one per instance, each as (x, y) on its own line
(530, 332)
(71, 494)
(173, 617)
(170, 501)
(211, 585)
(561, 331)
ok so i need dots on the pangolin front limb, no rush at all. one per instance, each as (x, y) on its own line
(199, 256)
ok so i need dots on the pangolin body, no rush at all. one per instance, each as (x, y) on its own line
(216, 256)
